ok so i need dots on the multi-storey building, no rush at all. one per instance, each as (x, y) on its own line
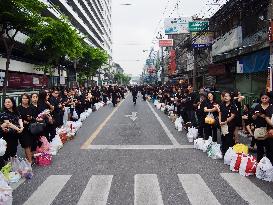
(91, 18)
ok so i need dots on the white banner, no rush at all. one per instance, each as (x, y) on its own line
(176, 25)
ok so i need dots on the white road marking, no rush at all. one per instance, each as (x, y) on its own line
(167, 131)
(97, 190)
(246, 189)
(197, 190)
(48, 190)
(147, 190)
(139, 147)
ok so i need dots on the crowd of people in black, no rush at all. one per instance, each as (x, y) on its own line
(223, 119)
(41, 113)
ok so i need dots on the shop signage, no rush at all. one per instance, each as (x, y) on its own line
(197, 26)
(166, 43)
(202, 40)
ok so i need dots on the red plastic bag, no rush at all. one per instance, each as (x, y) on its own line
(248, 166)
(45, 145)
(236, 162)
(63, 137)
(44, 159)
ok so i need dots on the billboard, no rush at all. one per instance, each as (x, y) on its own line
(172, 64)
(197, 26)
(166, 43)
(202, 40)
(176, 25)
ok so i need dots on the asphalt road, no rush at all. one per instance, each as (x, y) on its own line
(115, 160)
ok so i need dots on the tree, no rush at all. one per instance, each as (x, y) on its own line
(91, 60)
(57, 40)
(17, 16)
(122, 78)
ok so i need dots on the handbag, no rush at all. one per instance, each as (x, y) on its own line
(37, 128)
(260, 133)
(210, 119)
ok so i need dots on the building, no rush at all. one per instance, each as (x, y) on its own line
(92, 18)
(240, 53)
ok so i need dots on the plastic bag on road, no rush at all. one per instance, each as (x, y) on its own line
(45, 145)
(26, 170)
(199, 143)
(180, 127)
(207, 144)
(3, 147)
(75, 115)
(229, 155)
(236, 162)
(248, 166)
(177, 122)
(158, 106)
(5, 191)
(264, 170)
(240, 148)
(215, 151)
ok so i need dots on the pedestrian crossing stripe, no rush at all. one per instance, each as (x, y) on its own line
(147, 190)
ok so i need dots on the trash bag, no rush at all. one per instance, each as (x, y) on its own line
(44, 159)
(55, 145)
(177, 122)
(198, 143)
(241, 148)
(45, 145)
(3, 147)
(180, 127)
(6, 170)
(75, 115)
(236, 162)
(65, 117)
(156, 102)
(26, 170)
(207, 144)
(229, 155)
(5, 191)
(14, 177)
(214, 151)
(194, 132)
(264, 170)
(158, 106)
(248, 166)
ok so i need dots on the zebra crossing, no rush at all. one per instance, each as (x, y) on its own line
(147, 190)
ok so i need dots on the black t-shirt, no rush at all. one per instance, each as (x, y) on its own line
(25, 113)
(189, 101)
(12, 117)
(34, 110)
(260, 122)
(42, 106)
(226, 111)
(210, 105)
(269, 114)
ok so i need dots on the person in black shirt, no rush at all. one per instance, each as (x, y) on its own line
(259, 121)
(200, 103)
(210, 107)
(269, 120)
(189, 107)
(227, 121)
(134, 94)
(11, 117)
(26, 139)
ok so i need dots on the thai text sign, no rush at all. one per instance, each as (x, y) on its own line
(197, 26)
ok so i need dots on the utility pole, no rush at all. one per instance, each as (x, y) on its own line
(194, 70)
(162, 64)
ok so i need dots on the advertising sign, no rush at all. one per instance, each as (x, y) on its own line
(176, 25)
(201, 41)
(172, 64)
(197, 26)
(166, 43)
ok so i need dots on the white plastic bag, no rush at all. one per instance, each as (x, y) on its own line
(5, 191)
(229, 155)
(55, 145)
(248, 166)
(158, 106)
(198, 143)
(3, 147)
(180, 127)
(207, 144)
(264, 170)
(75, 115)
(215, 151)
(156, 102)
(65, 117)
(177, 122)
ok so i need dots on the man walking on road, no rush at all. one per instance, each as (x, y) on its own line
(134, 93)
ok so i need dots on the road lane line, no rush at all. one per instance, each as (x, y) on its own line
(246, 189)
(97, 190)
(48, 190)
(100, 127)
(147, 190)
(139, 147)
(197, 190)
(167, 131)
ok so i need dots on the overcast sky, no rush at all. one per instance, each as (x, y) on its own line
(134, 27)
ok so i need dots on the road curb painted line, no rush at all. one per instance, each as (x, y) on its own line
(100, 127)
(139, 147)
(165, 128)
